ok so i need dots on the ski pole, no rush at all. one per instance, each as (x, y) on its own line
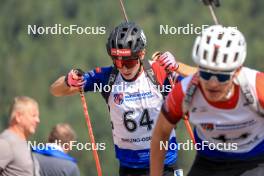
(90, 130)
(123, 9)
(185, 117)
(189, 128)
(210, 4)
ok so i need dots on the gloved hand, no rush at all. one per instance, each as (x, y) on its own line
(168, 62)
(216, 3)
(75, 78)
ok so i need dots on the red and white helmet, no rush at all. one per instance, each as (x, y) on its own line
(220, 48)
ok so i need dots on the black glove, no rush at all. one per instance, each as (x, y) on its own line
(216, 3)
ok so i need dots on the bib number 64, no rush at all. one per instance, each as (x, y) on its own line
(131, 124)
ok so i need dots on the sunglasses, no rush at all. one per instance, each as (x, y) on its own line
(120, 63)
(222, 77)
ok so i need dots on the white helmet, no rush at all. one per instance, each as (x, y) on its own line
(220, 48)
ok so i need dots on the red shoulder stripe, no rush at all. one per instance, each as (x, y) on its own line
(260, 88)
(159, 72)
(172, 107)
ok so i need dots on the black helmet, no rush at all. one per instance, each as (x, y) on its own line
(127, 39)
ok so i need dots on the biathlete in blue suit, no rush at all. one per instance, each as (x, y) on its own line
(134, 89)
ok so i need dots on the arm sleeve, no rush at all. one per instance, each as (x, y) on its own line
(172, 107)
(5, 155)
(259, 88)
(159, 72)
(97, 78)
(162, 76)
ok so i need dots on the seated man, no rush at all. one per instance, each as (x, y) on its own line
(54, 160)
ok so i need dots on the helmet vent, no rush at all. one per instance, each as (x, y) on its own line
(120, 46)
(130, 44)
(236, 56)
(220, 36)
(136, 46)
(208, 39)
(134, 31)
(122, 35)
(124, 29)
(228, 43)
(225, 58)
(205, 55)
(215, 53)
(197, 49)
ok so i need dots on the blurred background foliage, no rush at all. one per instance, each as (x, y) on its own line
(30, 63)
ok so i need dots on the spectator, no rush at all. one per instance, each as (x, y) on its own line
(15, 157)
(54, 160)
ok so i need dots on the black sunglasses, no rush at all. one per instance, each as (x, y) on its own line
(222, 77)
